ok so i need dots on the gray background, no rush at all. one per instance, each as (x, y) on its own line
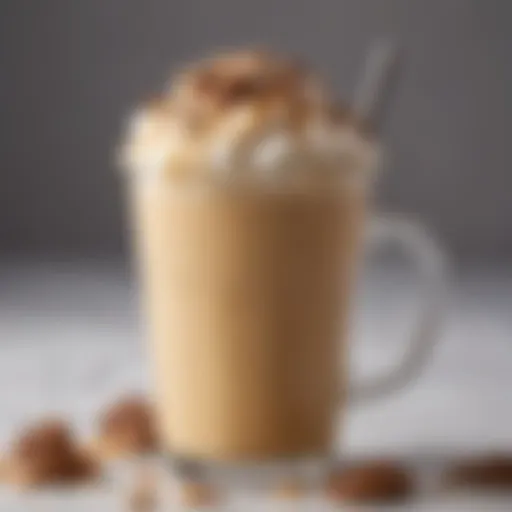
(71, 70)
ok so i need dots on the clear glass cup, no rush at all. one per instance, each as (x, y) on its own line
(247, 294)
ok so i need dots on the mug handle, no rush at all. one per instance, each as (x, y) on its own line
(419, 246)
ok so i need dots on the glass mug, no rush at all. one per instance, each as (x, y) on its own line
(247, 293)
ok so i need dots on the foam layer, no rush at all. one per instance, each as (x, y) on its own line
(245, 114)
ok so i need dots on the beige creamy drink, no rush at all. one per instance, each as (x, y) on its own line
(248, 195)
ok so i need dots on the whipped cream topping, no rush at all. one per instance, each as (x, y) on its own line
(245, 114)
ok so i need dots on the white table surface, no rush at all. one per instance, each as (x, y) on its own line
(70, 343)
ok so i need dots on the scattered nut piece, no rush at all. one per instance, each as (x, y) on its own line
(46, 453)
(126, 428)
(370, 482)
(491, 472)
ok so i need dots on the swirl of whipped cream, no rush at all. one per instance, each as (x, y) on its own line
(245, 114)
